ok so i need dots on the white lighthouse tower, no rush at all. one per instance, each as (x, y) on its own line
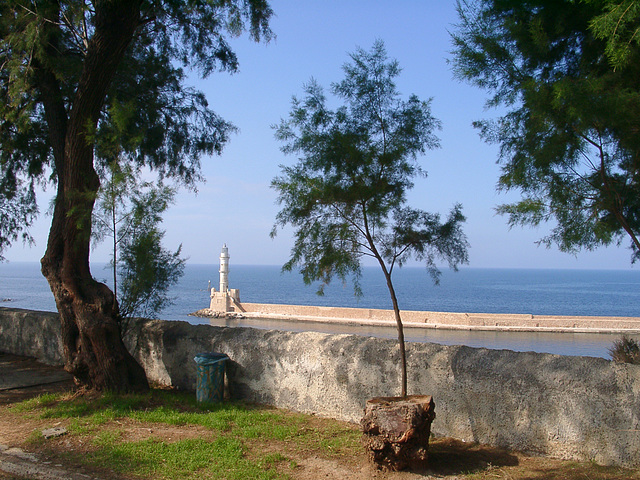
(226, 300)
(224, 269)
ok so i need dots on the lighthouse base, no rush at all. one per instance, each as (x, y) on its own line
(223, 302)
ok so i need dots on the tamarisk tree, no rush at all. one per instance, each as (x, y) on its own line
(75, 71)
(345, 197)
(128, 214)
(567, 76)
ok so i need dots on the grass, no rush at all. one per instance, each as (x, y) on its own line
(223, 451)
(221, 457)
(167, 435)
(177, 409)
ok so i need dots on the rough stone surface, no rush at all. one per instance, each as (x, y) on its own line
(17, 462)
(54, 432)
(32, 333)
(567, 407)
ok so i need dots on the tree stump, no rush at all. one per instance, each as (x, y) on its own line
(396, 430)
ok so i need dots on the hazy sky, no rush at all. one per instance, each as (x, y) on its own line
(236, 206)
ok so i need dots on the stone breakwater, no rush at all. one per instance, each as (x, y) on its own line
(447, 320)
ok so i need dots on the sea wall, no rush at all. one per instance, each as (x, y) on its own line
(568, 407)
(451, 320)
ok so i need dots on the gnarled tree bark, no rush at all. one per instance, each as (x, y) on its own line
(93, 347)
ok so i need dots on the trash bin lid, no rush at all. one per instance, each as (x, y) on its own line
(210, 358)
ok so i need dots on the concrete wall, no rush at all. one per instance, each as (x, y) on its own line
(31, 333)
(570, 407)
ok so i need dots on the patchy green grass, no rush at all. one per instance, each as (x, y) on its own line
(41, 401)
(168, 435)
(176, 409)
(222, 457)
(233, 448)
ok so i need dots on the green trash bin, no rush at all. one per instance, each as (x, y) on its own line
(210, 376)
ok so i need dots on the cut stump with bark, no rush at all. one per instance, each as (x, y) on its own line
(396, 430)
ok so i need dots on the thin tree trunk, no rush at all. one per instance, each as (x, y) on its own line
(114, 225)
(400, 328)
(394, 301)
(93, 348)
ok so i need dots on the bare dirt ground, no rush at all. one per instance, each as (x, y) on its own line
(449, 459)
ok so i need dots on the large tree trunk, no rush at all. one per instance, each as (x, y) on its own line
(93, 349)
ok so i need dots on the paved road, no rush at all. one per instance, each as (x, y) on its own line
(23, 377)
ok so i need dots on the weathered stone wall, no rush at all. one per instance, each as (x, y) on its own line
(31, 333)
(571, 407)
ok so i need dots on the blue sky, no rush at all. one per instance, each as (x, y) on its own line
(236, 205)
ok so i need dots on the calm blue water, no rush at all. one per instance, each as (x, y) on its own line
(541, 292)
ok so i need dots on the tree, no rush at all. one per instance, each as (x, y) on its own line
(345, 197)
(147, 271)
(128, 212)
(617, 25)
(113, 216)
(71, 70)
(17, 211)
(571, 92)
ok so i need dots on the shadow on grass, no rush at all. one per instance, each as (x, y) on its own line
(448, 456)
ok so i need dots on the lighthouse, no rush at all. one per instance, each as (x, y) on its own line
(225, 300)
(224, 269)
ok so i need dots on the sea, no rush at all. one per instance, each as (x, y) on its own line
(471, 290)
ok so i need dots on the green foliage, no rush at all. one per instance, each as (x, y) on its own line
(618, 26)
(149, 118)
(18, 210)
(568, 138)
(113, 214)
(345, 197)
(356, 166)
(147, 272)
(129, 213)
